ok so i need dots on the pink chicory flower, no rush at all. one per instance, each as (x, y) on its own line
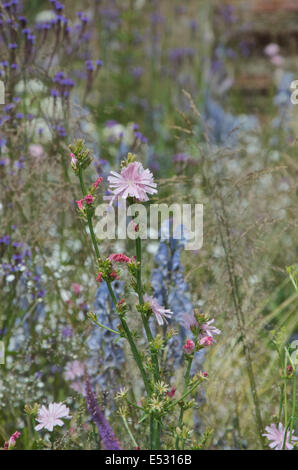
(74, 370)
(51, 416)
(133, 181)
(209, 329)
(161, 314)
(276, 436)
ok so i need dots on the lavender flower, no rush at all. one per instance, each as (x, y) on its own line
(109, 440)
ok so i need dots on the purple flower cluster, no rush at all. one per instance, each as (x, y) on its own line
(108, 438)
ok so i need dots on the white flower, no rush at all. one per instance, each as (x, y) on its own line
(50, 417)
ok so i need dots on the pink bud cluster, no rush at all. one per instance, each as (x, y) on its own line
(88, 199)
(12, 441)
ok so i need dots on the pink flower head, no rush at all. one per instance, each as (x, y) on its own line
(80, 203)
(99, 277)
(76, 288)
(277, 436)
(97, 182)
(119, 258)
(171, 392)
(206, 341)
(160, 312)
(209, 329)
(74, 370)
(51, 416)
(133, 181)
(189, 346)
(12, 441)
(204, 374)
(89, 199)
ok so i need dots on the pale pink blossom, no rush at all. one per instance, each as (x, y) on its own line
(272, 49)
(51, 416)
(74, 369)
(206, 341)
(36, 150)
(189, 321)
(277, 436)
(161, 314)
(209, 329)
(133, 181)
(277, 60)
(189, 346)
(76, 288)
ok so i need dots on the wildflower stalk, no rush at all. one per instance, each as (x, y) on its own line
(128, 430)
(141, 300)
(155, 428)
(125, 327)
(285, 393)
(186, 382)
(294, 402)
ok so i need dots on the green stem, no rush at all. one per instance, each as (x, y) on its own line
(133, 347)
(155, 427)
(294, 402)
(285, 393)
(105, 327)
(129, 431)
(174, 403)
(186, 382)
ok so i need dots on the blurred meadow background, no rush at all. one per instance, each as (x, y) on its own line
(201, 92)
